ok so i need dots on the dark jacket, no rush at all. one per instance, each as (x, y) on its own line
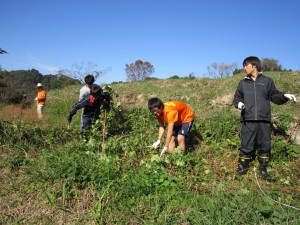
(256, 95)
(91, 107)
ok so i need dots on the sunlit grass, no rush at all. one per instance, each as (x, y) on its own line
(52, 176)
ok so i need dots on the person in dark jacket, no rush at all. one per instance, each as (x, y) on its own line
(91, 107)
(253, 96)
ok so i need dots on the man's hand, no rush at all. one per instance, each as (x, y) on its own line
(163, 151)
(70, 118)
(156, 144)
(290, 97)
(241, 106)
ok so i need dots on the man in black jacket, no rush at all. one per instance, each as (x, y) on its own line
(91, 106)
(253, 96)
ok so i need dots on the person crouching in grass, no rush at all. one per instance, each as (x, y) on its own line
(179, 117)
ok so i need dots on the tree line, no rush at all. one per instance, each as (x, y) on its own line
(142, 70)
(15, 85)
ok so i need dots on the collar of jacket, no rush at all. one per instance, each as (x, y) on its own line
(249, 78)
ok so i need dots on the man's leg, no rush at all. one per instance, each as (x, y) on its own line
(247, 147)
(40, 111)
(181, 142)
(171, 144)
(86, 124)
(182, 133)
(264, 149)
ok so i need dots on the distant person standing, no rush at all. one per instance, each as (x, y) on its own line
(40, 100)
(253, 96)
(85, 90)
(91, 104)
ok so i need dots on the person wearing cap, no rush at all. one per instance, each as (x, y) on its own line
(179, 117)
(90, 104)
(40, 100)
(253, 98)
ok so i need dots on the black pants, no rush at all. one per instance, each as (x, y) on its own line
(86, 123)
(255, 135)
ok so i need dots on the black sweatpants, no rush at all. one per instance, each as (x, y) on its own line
(255, 135)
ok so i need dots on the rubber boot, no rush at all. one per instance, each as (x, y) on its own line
(243, 166)
(263, 163)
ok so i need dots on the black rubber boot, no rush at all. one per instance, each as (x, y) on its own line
(243, 166)
(263, 163)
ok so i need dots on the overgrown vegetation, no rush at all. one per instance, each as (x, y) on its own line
(50, 176)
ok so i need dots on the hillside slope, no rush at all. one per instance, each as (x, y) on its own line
(49, 175)
(205, 96)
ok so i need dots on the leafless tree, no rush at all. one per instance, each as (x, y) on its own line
(80, 70)
(138, 71)
(221, 70)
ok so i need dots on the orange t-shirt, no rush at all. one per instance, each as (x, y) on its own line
(177, 113)
(41, 97)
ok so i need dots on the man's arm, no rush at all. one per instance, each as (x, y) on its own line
(106, 98)
(79, 105)
(276, 96)
(169, 134)
(238, 96)
(161, 130)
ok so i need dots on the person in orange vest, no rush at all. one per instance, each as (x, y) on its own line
(179, 118)
(40, 100)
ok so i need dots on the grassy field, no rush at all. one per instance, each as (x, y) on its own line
(49, 175)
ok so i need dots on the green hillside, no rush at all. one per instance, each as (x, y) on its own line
(49, 175)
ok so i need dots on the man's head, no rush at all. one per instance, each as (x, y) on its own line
(39, 86)
(156, 106)
(96, 91)
(252, 61)
(89, 79)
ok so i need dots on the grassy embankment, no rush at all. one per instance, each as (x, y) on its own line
(50, 176)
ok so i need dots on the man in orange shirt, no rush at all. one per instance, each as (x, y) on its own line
(40, 100)
(179, 118)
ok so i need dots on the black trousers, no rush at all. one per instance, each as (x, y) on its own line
(255, 136)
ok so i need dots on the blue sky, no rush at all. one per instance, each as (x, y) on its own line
(177, 37)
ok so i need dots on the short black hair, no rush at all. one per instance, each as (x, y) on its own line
(253, 60)
(89, 79)
(96, 90)
(154, 103)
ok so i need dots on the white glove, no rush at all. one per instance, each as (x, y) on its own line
(156, 144)
(163, 151)
(36, 99)
(241, 106)
(290, 97)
